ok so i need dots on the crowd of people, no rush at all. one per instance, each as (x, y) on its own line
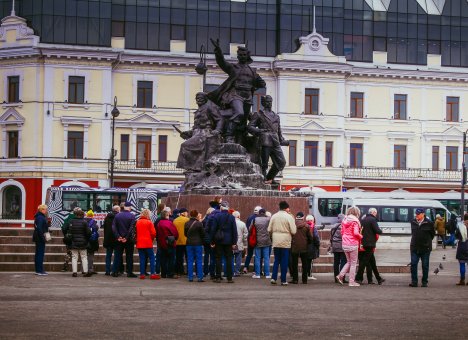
(213, 245)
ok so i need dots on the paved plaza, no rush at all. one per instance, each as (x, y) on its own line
(59, 306)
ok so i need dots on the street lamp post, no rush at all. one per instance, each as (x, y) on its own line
(115, 113)
(201, 67)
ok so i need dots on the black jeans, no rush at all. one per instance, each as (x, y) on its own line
(226, 250)
(118, 256)
(339, 260)
(305, 266)
(167, 262)
(364, 261)
(181, 253)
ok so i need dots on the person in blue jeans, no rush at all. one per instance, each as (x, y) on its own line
(109, 238)
(40, 227)
(262, 249)
(195, 234)
(422, 233)
(250, 250)
(209, 259)
(281, 227)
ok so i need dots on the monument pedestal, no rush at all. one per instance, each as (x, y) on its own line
(243, 201)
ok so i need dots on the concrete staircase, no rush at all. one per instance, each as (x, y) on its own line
(17, 254)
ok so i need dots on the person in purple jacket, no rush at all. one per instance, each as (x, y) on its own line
(121, 229)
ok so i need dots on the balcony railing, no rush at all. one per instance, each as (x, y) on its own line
(393, 174)
(146, 167)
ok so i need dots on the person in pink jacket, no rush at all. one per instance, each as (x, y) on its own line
(351, 237)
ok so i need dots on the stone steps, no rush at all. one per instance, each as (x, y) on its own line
(17, 253)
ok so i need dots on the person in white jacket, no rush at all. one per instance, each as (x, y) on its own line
(242, 233)
(281, 228)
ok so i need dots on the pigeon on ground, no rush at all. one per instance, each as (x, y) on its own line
(444, 257)
(441, 266)
(436, 271)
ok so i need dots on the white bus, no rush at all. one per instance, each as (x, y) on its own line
(395, 215)
(324, 205)
(62, 200)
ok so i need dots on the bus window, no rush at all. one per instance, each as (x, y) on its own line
(403, 215)
(71, 200)
(105, 202)
(388, 215)
(329, 207)
(430, 214)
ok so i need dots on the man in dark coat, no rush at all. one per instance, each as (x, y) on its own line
(223, 234)
(234, 96)
(422, 233)
(266, 125)
(109, 238)
(121, 225)
(370, 230)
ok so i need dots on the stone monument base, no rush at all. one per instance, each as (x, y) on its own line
(243, 201)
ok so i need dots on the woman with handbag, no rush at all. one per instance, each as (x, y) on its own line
(166, 235)
(93, 245)
(80, 233)
(41, 229)
(145, 235)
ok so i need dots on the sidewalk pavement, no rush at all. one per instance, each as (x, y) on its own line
(103, 307)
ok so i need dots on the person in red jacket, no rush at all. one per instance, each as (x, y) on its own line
(167, 235)
(145, 235)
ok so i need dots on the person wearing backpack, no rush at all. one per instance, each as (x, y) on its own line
(263, 243)
(93, 245)
(339, 257)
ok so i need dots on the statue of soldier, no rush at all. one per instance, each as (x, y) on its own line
(266, 125)
(234, 96)
(203, 140)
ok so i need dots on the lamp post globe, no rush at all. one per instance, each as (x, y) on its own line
(115, 111)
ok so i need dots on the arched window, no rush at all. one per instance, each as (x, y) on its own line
(11, 199)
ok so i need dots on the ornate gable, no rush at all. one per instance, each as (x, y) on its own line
(15, 32)
(12, 117)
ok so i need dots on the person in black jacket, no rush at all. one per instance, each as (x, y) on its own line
(40, 227)
(422, 233)
(80, 238)
(370, 230)
(109, 238)
(462, 249)
(223, 234)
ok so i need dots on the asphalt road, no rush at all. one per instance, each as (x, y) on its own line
(59, 306)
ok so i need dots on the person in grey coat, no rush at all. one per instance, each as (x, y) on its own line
(339, 257)
(262, 249)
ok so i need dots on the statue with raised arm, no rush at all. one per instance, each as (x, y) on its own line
(234, 96)
(266, 125)
(204, 139)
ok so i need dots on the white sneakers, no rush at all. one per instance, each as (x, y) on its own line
(312, 277)
(255, 276)
(268, 277)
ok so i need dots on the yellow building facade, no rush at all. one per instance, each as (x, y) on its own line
(374, 126)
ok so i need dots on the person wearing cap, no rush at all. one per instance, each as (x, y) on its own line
(181, 252)
(370, 230)
(281, 228)
(223, 234)
(121, 229)
(80, 233)
(422, 233)
(65, 226)
(262, 249)
(439, 225)
(242, 234)
(93, 245)
(250, 251)
(299, 249)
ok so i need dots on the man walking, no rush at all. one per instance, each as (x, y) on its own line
(370, 230)
(422, 233)
(121, 228)
(223, 235)
(281, 228)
